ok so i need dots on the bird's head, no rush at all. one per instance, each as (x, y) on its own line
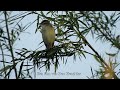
(45, 22)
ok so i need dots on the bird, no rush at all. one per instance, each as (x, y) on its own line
(48, 34)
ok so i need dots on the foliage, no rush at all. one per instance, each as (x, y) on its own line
(72, 27)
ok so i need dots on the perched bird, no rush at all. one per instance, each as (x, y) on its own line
(48, 33)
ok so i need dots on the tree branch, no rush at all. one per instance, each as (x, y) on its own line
(3, 59)
(11, 49)
(100, 58)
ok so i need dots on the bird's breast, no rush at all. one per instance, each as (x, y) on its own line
(48, 34)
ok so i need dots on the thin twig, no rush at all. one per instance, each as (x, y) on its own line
(3, 59)
(11, 49)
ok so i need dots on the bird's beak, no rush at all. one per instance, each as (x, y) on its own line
(39, 26)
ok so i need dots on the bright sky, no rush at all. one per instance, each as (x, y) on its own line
(73, 69)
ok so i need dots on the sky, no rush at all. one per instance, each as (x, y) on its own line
(78, 69)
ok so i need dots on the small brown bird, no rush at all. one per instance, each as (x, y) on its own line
(48, 34)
